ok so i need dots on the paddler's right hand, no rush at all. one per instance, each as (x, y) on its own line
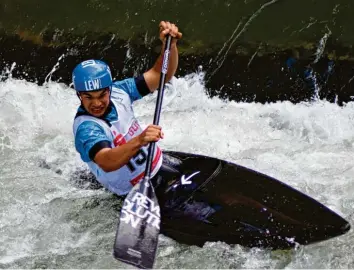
(152, 133)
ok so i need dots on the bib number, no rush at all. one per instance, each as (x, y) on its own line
(137, 160)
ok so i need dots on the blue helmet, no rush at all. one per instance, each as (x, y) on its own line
(91, 75)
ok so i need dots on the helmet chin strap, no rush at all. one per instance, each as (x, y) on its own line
(78, 95)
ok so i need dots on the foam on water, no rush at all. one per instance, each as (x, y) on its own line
(48, 221)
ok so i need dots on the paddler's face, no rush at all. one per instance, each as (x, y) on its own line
(95, 102)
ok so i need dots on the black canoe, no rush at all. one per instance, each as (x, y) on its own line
(230, 203)
(236, 205)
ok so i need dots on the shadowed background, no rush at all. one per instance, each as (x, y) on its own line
(250, 50)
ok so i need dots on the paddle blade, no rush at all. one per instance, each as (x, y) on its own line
(139, 227)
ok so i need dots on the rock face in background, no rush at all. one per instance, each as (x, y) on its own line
(250, 50)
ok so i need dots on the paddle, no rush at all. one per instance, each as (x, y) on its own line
(139, 224)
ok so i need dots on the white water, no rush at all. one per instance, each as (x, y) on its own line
(47, 222)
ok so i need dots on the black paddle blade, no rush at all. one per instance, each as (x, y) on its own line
(139, 227)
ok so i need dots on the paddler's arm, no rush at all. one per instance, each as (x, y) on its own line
(152, 76)
(94, 145)
(111, 159)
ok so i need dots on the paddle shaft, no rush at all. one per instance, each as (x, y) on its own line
(139, 225)
(161, 89)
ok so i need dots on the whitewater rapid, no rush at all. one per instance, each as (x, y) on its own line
(48, 221)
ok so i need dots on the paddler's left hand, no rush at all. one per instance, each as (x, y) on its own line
(169, 28)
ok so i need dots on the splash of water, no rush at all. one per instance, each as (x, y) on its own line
(48, 222)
